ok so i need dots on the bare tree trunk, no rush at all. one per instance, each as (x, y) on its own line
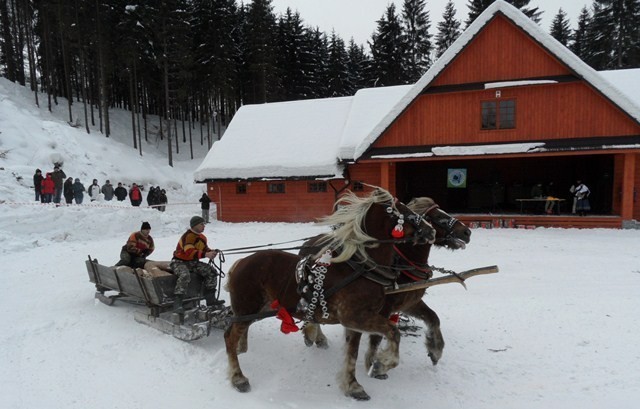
(133, 114)
(166, 93)
(102, 87)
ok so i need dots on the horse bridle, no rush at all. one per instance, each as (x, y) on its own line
(446, 222)
(414, 218)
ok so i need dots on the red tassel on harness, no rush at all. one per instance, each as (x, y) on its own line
(288, 325)
(397, 232)
(394, 318)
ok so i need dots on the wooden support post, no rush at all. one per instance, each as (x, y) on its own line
(628, 185)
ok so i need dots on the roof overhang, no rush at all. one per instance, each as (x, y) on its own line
(556, 147)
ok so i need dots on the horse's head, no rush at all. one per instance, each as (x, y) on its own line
(450, 232)
(362, 223)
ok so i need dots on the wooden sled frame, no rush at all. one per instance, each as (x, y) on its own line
(153, 287)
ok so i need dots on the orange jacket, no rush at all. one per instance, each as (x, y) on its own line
(191, 246)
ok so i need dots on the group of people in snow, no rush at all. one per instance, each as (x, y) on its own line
(55, 185)
(192, 246)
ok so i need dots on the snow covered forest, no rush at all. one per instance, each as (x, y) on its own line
(198, 61)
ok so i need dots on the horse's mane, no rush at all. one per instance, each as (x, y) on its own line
(347, 222)
(421, 204)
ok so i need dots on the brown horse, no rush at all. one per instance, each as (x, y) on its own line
(411, 263)
(363, 232)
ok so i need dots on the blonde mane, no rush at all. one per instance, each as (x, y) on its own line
(420, 205)
(348, 220)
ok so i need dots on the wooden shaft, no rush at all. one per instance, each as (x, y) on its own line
(442, 280)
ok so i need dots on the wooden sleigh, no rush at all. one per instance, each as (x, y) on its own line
(152, 286)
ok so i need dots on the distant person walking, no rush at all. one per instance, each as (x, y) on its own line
(48, 189)
(58, 177)
(205, 204)
(78, 191)
(107, 191)
(120, 192)
(67, 190)
(94, 190)
(135, 195)
(37, 184)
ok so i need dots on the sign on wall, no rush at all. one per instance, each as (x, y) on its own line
(457, 178)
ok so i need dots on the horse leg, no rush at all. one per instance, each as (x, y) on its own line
(348, 382)
(243, 343)
(313, 334)
(388, 358)
(232, 337)
(374, 343)
(434, 340)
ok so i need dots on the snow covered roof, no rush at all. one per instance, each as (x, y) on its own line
(313, 138)
(279, 140)
(300, 139)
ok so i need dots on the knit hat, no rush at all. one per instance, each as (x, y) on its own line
(196, 220)
(145, 226)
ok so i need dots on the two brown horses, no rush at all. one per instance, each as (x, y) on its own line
(363, 232)
(411, 263)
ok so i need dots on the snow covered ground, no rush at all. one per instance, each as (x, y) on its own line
(558, 327)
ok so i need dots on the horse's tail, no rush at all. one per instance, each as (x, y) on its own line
(229, 273)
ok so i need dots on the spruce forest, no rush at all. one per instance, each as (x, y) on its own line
(197, 61)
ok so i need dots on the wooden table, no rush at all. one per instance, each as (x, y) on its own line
(541, 199)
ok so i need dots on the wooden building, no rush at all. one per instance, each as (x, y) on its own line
(505, 108)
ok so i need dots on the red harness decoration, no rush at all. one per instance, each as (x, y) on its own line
(288, 325)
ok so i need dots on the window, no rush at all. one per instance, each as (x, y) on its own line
(275, 188)
(499, 114)
(317, 187)
(358, 187)
(241, 189)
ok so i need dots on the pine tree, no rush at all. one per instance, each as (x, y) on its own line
(292, 46)
(579, 46)
(448, 29)
(317, 62)
(260, 76)
(358, 65)
(388, 51)
(476, 7)
(416, 24)
(560, 29)
(338, 70)
(618, 20)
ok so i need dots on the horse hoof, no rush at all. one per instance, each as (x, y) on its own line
(242, 386)
(434, 359)
(322, 344)
(308, 342)
(376, 371)
(359, 395)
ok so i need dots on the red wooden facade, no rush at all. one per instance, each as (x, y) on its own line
(448, 113)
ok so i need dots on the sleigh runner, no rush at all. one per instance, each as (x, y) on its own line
(152, 286)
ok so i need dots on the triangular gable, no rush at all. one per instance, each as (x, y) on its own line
(551, 45)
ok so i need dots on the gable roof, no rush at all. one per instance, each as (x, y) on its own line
(554, 47)
(314, 138)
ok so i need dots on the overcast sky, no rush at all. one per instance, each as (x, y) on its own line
(357, 18)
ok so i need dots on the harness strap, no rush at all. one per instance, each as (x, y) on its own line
(358, 270)
(426, 270)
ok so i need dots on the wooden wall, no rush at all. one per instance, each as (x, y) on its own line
(295, 205)
(555, 111)
(501, 51)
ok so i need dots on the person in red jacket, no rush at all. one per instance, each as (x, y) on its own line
(48, 189)
(191, 247)
(135, 195)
